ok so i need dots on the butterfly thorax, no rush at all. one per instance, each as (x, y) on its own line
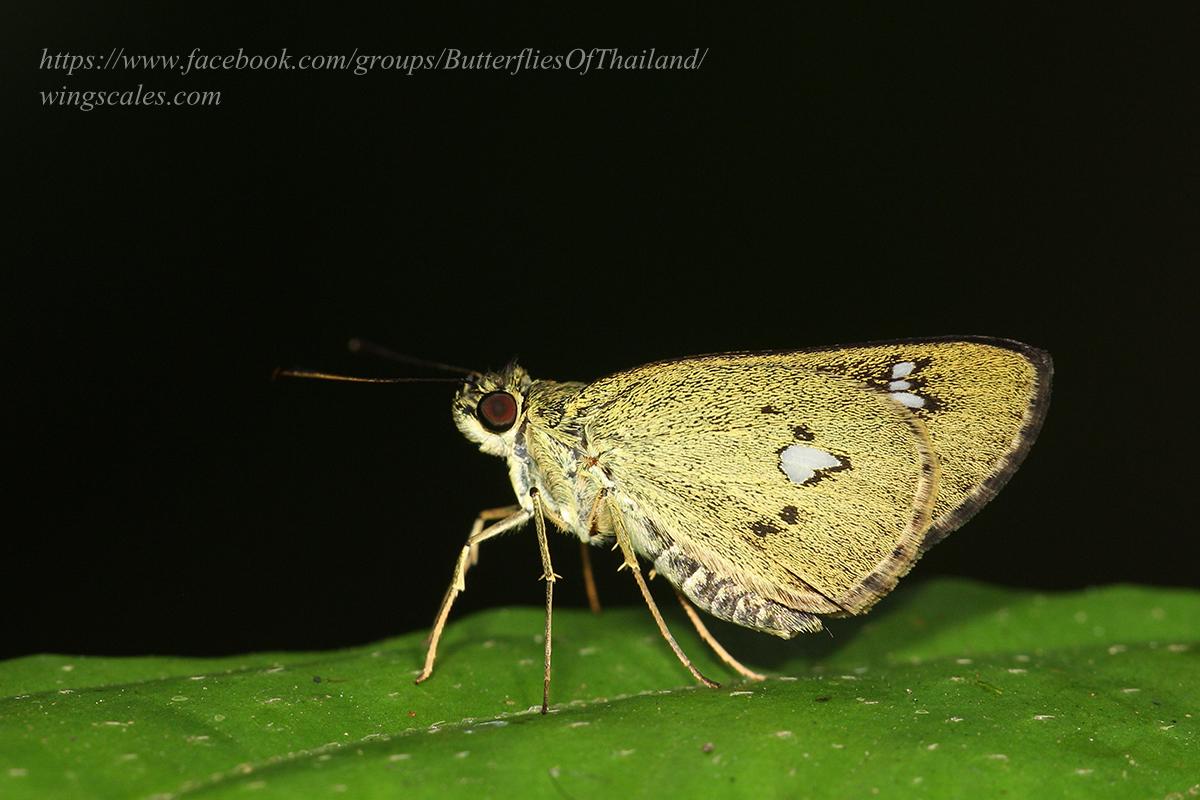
(551, 452)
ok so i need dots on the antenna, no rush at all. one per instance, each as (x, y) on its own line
(329, 376)
(359, 346)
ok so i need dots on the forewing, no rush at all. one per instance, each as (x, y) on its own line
(982, 400)
(791, 479)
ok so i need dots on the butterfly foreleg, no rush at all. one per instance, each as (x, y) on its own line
(626, 545)
(509, 518)
(487, 515)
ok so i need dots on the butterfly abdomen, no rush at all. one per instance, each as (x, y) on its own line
(729, 600)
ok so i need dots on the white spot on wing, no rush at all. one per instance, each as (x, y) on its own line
(909, 399)
(800, 463)
(899, 386)
(903, 369)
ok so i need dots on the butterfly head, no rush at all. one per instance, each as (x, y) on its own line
(489, 406)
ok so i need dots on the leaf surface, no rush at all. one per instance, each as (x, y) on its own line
(947, 688)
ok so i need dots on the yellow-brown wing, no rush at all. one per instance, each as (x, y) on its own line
(904, 441)
(982, 399)
(788, 479)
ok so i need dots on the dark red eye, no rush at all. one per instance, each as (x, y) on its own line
(497, 411)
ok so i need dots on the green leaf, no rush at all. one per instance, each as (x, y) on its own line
(948, 689)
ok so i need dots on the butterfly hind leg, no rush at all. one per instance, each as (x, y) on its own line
(509, 517)
(631, 562)
(712, 642)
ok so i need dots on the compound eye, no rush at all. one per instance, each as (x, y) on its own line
(497, 411)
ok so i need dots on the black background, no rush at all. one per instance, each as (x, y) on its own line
(826, 176)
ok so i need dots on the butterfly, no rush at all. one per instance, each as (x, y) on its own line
(770, 489)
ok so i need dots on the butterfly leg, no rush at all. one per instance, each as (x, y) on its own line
(487, 515)
(589, 580)
(631, 562)
(712, 642)
(549, 577)
(510, 517)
